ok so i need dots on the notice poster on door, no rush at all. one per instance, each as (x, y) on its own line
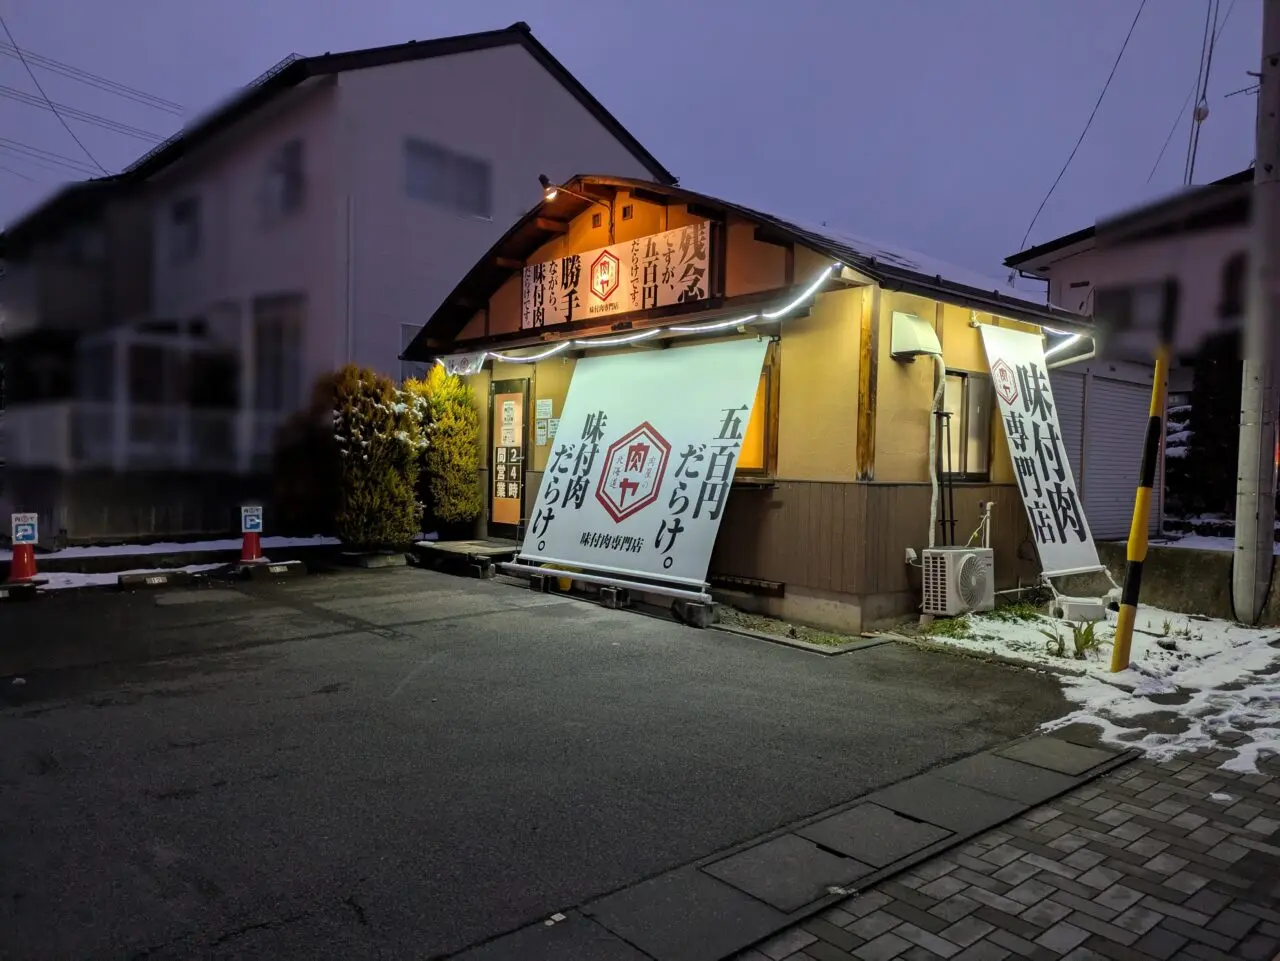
(507, 491)
(643, 457)
(1029, 416)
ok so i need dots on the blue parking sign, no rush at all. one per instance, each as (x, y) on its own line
(25, 528)
(251, 520)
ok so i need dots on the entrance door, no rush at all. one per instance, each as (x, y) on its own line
(508, 450)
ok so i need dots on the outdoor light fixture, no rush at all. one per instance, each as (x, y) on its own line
(705, 327)
(549, 190)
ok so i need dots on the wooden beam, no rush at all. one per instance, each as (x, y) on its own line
(507, 263)
(551, 226)
(706, 213)
(868, 364)
(770, 235)
(649, 197)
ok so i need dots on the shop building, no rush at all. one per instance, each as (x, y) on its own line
(832, 485)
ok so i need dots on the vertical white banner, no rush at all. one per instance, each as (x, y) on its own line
(1020, 378)
(642, 461)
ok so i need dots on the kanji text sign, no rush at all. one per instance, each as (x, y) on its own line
(1030, 420)
(640, 468)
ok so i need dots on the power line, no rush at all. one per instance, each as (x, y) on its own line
(1183, 109)
(18, 173)
(93, 80)
(1202, 105)
(41, 157)
(34, 79)
(1088, 123)
(83, 116)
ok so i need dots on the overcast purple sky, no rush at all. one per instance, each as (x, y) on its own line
(933, 124)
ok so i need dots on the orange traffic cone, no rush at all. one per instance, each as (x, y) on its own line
(251, 548)
(23, 567)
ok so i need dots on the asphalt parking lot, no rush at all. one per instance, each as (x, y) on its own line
(401, 763)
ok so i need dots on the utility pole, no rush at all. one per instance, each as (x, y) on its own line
(1260, 396)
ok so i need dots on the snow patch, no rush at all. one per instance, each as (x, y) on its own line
(58, 581)
(1191, 680)
(181, 547)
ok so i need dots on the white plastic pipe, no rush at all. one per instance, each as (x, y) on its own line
(940, 375)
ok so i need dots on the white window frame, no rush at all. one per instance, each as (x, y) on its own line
(964, 433)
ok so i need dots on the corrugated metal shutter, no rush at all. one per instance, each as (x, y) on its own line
(1117, 427)
(1068, 396)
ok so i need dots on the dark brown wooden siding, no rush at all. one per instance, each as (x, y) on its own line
(851, 538)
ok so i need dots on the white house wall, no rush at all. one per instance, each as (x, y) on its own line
(242, 255)
(497, 105)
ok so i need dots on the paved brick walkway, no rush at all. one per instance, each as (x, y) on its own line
(1154, 861)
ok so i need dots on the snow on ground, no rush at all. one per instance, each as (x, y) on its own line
(1216, 682)
(1201, 542)
(184, 547)
(62, 581)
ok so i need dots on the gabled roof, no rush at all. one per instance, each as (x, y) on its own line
(294, 70)
(1170, 207)
(66, 205)
(894, 268)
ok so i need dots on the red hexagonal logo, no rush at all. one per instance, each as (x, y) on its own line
(634, 466)
(605, 273)
(1006, 385)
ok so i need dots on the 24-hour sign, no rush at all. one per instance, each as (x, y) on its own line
(672, 267)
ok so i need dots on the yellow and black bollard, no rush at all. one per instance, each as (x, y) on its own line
(1136, 549)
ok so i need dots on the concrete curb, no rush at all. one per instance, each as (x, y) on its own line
(989, 657)
(823, 649)
(312, 556)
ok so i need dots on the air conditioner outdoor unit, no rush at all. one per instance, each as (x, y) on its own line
(958, 580)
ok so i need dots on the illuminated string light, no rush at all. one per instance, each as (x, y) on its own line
(704, 328)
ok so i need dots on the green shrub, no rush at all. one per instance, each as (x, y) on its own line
(379, 436)
(451, 460)
(307, 468)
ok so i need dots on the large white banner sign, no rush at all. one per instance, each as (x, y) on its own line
(655, 271)
(640, 469)
(1030, 418)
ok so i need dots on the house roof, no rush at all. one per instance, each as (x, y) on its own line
(292, 71)
(65, 205)
(1169, 207)
(894, 268)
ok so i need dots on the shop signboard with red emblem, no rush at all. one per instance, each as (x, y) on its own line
(640, 468)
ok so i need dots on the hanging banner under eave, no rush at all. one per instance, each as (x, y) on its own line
(640, 469)
(1020, 377)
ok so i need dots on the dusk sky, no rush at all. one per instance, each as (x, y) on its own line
(933, 124)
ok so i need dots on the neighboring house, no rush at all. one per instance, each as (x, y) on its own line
(1200, 238)
(317, 218)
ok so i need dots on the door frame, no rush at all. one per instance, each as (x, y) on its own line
(514, 532)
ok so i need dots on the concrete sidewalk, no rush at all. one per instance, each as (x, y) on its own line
(1154, 861)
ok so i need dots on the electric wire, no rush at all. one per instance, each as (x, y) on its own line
(1186, 103)
(84, 116)
(1202, 104)
(93, 79)
(17, 148)
(1088, 123)
(36, 80)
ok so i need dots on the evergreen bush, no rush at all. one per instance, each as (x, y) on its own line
(307, 467)
(378, 431)
(451, 461)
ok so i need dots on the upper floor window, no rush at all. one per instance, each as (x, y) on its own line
(184, 230)
(966, 452)
(285, 188)
(443, 178)
(1231, 305)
